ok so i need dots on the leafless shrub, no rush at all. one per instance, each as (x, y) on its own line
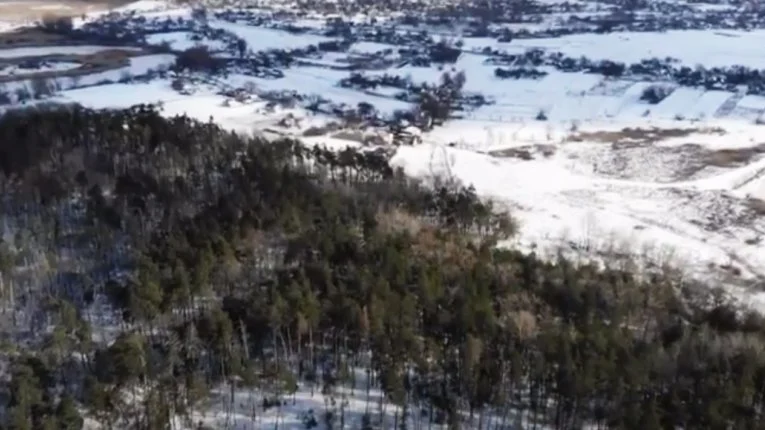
(42, 87)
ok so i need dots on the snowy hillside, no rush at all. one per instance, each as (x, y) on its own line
(584, 180)
(640, 144)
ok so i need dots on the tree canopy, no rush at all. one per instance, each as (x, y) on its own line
(147, 260)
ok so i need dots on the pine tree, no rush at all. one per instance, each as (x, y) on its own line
(67, 415)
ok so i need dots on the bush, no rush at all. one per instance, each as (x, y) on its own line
(178, 84)
(42, 87)
(125, 76)
(443, 53)
(57, 24)
(198, 59)
(22, 94)
(655, 94)
(309, 420)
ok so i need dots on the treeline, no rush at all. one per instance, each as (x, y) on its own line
(149, 262)
(712, 78)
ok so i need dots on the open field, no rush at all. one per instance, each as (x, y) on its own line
(31, 10)
(69, 65)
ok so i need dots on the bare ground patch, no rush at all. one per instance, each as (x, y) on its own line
(527, 152)
(34, 37)
(639, 136)
(29, 36)
(756, 205)
(658, 163)
(734, 157)
(102, 61)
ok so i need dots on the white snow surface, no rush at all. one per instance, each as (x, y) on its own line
(564, 198)
(138, 66)
(262, 38)
(690, 47)
(203, 105)
(144, 6)
(181, 40)
(52, 67)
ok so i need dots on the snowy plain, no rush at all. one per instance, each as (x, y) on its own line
(52, 67)
(689, 47)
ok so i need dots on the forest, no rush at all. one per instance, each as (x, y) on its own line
(147, 261)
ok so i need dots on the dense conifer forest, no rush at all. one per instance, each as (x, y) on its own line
(146, 262)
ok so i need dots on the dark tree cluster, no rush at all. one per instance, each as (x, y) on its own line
(237, 263)
(435, 103)
(57, 24)
(713, 78)
(519, 73)
(364, 82)
(654, 94)
(198, 59)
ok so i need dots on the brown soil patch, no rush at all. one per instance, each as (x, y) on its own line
(734, 157)
(527, 152)
(350, 135)
(757, 205)
(638, 136)
(30, 36)
(99, 62)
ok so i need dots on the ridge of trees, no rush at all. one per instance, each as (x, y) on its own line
(148, 260)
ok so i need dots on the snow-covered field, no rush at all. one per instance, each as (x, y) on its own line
(593, 197)
(690, 47)
(139, 65)
(52, 67)
(181, 40)
(259, 38)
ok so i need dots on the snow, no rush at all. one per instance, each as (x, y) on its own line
(245, 412)
(261, 38)
(370, 47)
(7, 26)
(321, 82)
(120, 95)
(562, 197)
(752, 102)
(678, 103)
(181, 40)
(203, 105)
(138, 66)
(143, 6)
(755, 189)
(690, 47)
(708, 104)
(53, 67)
